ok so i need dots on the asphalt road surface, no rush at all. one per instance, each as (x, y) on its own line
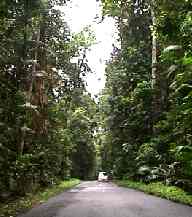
(94, 199)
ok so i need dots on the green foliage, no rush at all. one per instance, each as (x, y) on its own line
(159, 189)
(145, 117)
(41, 91)
(82, 126)
(147, 154)
(15, 207)
(125, 105)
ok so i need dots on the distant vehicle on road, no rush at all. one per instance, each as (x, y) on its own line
(102, 177)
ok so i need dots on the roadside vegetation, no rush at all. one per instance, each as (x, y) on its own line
(146, 106)
(159, 189)
(46, 115)
(52, 129)
(22, 204)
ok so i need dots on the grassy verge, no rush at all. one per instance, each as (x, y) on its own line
(12, 208)
(159, 189)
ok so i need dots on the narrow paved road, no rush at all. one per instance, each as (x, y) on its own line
(93, 199)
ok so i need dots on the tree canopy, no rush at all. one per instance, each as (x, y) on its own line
(50, 126)
(145, 107)
(46, 115)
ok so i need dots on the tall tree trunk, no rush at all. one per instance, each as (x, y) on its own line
(40, 95)
(155, 73)
(34, 65)
(22, 70)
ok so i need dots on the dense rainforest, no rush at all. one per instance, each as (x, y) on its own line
(146, 106)
(46, 115)
(52, 129)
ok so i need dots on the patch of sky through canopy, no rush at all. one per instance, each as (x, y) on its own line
(82, 13)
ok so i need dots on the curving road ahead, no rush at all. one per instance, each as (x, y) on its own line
(93, 199)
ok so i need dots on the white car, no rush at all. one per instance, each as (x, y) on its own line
(102, 176)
